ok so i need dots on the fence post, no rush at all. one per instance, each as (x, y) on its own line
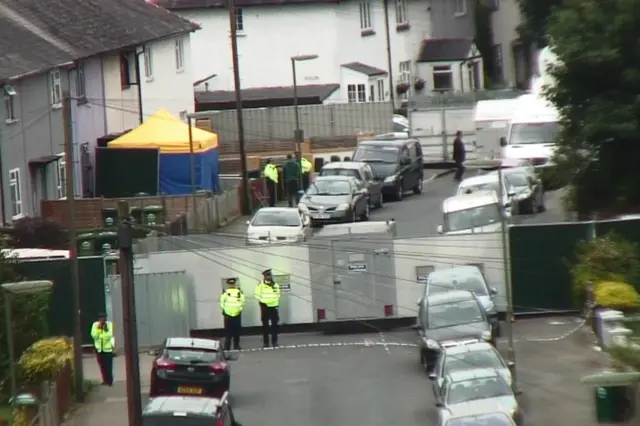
(443, 124)
(332, 120)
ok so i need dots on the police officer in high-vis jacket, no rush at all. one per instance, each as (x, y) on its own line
(267, 294)
(232, 303)
(103, 343)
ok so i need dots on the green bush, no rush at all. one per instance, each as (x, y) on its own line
(608, 258)
(616, 295)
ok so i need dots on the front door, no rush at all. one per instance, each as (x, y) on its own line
(353, 280)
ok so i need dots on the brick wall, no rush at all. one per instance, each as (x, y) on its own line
(89, 210)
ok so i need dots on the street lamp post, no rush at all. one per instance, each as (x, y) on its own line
(22, 287)
(298, 134)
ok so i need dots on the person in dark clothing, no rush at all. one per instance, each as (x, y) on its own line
(459, 155)
(291, 178)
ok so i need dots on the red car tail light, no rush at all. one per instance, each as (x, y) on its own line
(165, 364)
(218, 367)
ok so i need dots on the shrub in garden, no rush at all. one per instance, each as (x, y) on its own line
(616, 295)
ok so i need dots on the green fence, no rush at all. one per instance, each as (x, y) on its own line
(61, 313)
(540, 258)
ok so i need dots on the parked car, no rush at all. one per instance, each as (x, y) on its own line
(469, 278)
(476, 417)
(186, 366)
(361, 171)
(467, 357)
(478, 389)
(396, 161)
(448, 319)
(472, 213)
(526, 191)
(189, 411)
(272, 225)
(335, 199)
(487, 182)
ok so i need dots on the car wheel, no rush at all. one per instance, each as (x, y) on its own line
(380, 201)
(418, 188)
(400, 191)
(366, 213)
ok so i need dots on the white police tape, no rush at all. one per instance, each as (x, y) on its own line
(365, 344)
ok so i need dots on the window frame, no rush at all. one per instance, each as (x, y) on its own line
(352, 93)
(179, 52)
(61, 176)
(148, 63)
(401, 12)
(404, 76)
(9, 106)
(15, 184)
(440, 70)
(365, 16)
(361, 90)
(381, 90)
(55, 88)
(239, 20)
(125, 71)
(461, 8)
(498, 59)
(81, 83)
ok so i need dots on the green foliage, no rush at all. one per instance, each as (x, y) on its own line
(608, 258)
(596, 93)
(625, 357)
(617, 295)
(535, 14)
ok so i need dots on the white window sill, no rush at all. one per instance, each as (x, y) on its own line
(179, 70)
(17, 217)
(149, 79)
(56, 106)
(11, 120)
(459, 14)
(240, 34)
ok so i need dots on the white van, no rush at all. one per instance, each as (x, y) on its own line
(491, 121)
(532, 132)
(470, 213)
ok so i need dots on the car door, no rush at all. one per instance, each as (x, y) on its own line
(361, 199)
(374, 186)
(408, 181)
(416, 166)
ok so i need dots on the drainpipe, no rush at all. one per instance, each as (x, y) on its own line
(3, 127)
(137, 61)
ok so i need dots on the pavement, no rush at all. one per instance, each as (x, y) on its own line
(373, 380)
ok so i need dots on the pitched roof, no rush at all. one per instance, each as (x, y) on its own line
(36, 35)
(216, 4)
(367, 70)
(441, 50)
(319, 91)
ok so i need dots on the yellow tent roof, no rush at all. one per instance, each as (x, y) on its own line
(167, 133)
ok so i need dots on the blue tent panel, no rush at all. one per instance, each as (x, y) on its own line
(175, 172)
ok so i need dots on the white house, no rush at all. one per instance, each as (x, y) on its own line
(347, 40)
(165, 70)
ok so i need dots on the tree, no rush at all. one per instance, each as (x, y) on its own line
(596, 93)
(535, 14)
(37, 232)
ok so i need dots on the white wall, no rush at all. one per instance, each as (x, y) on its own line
(121, 105)
(273, 34)
(168, 88)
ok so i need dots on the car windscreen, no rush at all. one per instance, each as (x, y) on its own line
(172, 420)
(474, 217)
(471, 188)
(442, 283)
(330, 187)
(487, 358)
(372, 153)
(340, 172)
(192, 355)
(485, 419)
(530, 133)
(453, 314)
(276, 219)
(516, 180)
(477, 389)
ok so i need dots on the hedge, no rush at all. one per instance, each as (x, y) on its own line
(617, 295)
(40, 362)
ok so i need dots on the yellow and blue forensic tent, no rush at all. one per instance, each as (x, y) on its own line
(167, 133)
(170, 136)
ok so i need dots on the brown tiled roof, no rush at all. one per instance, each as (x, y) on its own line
(319, 91)
(440, 50)
(208, 4)
(367, 70)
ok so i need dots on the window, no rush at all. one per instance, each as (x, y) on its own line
(365, 16)
(56, 88)
(405, 77)
(80, 81)
(9, 107)
(61, 177)
(179, 54)
(401, 12)
(15, 187)
(497, 56)
(148, 63)
(372, 93)
(125, 71)
(357, 92)
(239, 21)
(381, 90)
(461, 7)
(183, 115)
(442, 78)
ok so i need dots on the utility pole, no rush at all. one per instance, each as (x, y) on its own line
(246, 206)
(192, 167)
(506, 266)
(132, 362)
(69, 162)
(387, 32)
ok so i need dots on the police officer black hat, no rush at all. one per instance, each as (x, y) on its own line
(266, 272)
(232, 281)
(102, 315)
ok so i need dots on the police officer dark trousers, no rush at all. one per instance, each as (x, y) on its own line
(231, 304)
(267, 294)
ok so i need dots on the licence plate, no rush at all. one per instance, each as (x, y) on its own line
(321, 216)
(189, 390)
